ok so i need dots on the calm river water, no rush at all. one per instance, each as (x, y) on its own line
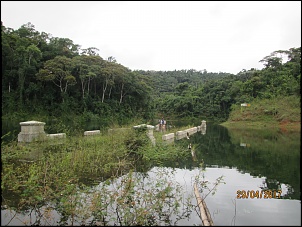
(247, 160)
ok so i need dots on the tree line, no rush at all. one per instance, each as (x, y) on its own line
(211, 95)
(55, 76)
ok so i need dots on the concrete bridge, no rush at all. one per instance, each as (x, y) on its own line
(185, 133)
(34, 131)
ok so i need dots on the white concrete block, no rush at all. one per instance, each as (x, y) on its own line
(92, 133)
(168, 136)
(56, 136)
(180, 133)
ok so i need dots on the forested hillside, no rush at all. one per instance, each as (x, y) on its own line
(53, 76)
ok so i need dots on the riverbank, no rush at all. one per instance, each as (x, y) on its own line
(284, 126)
(281, 114)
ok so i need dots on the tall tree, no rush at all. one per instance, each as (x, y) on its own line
(107, 77)
(58, 70)
(90, 51)
(122, 78)
(87, 68)
(63, 47)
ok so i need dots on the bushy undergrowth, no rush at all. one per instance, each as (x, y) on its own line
(53, 175)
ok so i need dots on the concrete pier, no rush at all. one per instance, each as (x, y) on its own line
(92, 133)
(168, 136)
(34, 131)
(180, 134)
(184, 134)
(56, 136)
(150, 129)
(203, 127)
(31, 131)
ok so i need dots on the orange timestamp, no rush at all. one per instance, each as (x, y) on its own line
(259, 194)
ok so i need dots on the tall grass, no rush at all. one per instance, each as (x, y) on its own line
(57, 172)
(267, 112)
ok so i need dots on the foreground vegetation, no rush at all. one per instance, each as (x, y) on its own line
(53, 175)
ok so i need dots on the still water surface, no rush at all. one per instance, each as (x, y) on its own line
(247, 160)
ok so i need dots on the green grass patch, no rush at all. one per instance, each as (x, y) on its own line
(265, 113)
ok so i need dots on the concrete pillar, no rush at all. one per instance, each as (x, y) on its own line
(31, 131)
(203, 127)
(150, 129)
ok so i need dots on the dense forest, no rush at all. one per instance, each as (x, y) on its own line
(53, 76)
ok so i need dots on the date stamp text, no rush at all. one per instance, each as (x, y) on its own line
(259, 194)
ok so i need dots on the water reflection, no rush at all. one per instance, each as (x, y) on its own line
(224, 207)
(228, 210)
(268, 154)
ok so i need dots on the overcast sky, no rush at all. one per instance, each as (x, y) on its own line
(217, 36)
